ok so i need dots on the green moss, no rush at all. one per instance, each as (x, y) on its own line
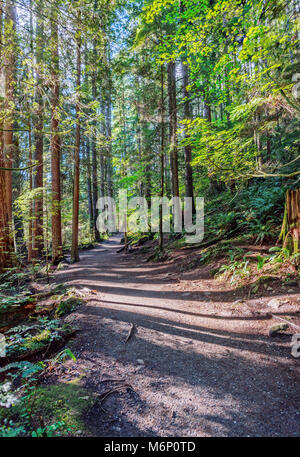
(62, 402)
(38, 340)
(68, 305)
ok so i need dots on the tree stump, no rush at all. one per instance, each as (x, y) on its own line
(291, 220)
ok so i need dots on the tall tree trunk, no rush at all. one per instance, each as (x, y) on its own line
(108, 139)
(139, 136)
(2, 90)
(87, 149)
(89, 187)
(17, 180)
(6, 242)
(103, 148)
(207, 111)
(30, 223)
(215, 186)
(227, 88)
(189, 188)
(95, 152)
(38, 233)
(108, 124)
(162, 158)
(30, 227)
(55, 144)
(167, 176)
(187, 110)
(94, 155)
(173, 128)
(124, 170)
(9, 69)
(6, 61)
(75, 222)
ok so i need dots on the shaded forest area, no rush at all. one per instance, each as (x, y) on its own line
(163, 98)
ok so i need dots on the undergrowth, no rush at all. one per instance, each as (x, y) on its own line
(241, 266)
(34, 328)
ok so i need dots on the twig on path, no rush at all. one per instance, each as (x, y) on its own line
(102, 397)
(113, 380)
(130, 333)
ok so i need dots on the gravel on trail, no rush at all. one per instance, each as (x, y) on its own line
(197, 364)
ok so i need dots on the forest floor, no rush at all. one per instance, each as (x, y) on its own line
(199, 361)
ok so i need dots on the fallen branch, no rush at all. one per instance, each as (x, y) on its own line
(102, 397)
(126, 248)
(207, 244)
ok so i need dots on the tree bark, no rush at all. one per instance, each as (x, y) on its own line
(103, 147)
(173, 127)
(7, 63)
(162, 158)
(109, 148)
(17, 181)
(55, 144)
(187, 110)
(108, 123)
(6, 245)
(95, 158)
(89, 187)
(75, 222)
(30, 226)
(38, 233)
(291, 220)
(189, 187)
(30, 223)
(9, 69)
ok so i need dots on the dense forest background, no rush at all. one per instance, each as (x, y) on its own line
(162, 97)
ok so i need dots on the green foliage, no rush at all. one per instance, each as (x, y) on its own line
(35, 337)
(236, 271)
(260, 262)
(10, 304)
(27, 415)
(64, 355)
(57, 429)
(65, 403)
(241, 64)
(68, 305)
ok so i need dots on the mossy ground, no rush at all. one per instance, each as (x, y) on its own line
(63, 402)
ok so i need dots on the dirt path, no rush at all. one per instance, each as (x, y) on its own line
(196, 368)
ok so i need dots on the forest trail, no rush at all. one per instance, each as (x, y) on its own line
(195, 369)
